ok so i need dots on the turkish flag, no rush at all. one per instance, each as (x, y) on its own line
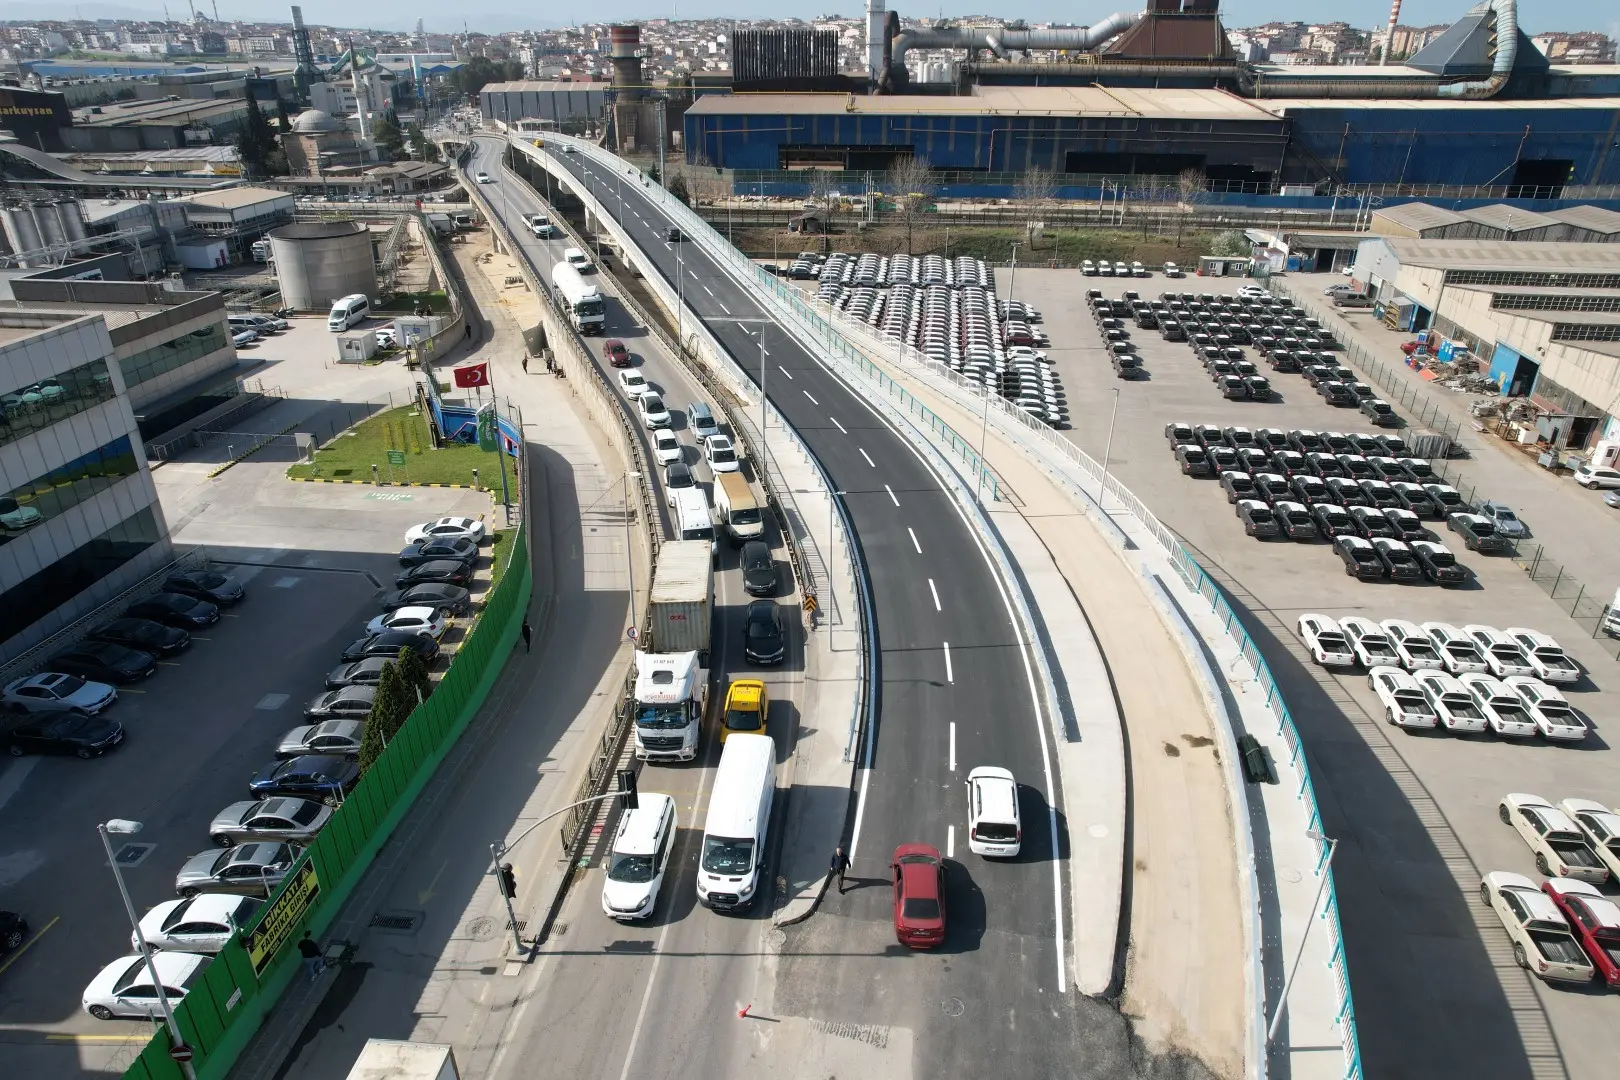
(472, 375)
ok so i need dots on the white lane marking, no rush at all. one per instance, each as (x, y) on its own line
(914, 539)
(868, 457)
(892, 497)
(837, 425)
(935, 593)
(784, 371)
(813, 401)
(724, 308)
(708, 290)
(950, 676)
(950, 843)
(953, 746)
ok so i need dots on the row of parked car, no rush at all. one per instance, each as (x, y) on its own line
(875, 271)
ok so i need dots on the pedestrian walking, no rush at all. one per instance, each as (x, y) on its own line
(469, 331)
(525, 363)
(839, 864)
(310, 950)
(528, 634)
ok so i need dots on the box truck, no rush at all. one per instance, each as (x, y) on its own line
(736, 507)
(669, 696)
(683, 584)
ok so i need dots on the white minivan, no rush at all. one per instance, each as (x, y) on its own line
(635, 868)
(994, 827)
(347, 311)
(694, 518)
(578, 260)
(731, 861)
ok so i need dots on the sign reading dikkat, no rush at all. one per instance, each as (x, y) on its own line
(282, 917)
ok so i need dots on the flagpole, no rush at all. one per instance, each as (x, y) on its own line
(500, 451)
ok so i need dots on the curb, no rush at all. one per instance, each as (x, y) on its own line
(368, 483)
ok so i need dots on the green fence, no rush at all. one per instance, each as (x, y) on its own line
(222, 1013)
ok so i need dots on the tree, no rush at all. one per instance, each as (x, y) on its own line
(1191, 191)
(910, 183)
(1230, 244)
(677, 188)
(1036, 187)
(389, 711)
(256, 144)
(386, 134)
(421, 144)
(282, 118)
(822, 188)
(415, 674)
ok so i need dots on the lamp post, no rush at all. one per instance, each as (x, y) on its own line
(1108, 448)
(1327, 865)
(125, 827)
(984, 418)
(629, 559)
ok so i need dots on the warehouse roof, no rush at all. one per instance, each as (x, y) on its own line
(1534, 256)
(1282, 105)
(1595, 219)
(1509, 219)
(998, 101)
(1417, 215)
(235, 198)
(530, 86)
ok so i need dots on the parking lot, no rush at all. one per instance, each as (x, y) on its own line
(313, 559)
(1437, 991)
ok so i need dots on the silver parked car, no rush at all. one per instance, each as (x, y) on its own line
(339, 738)
(252, 870)
(296, 821)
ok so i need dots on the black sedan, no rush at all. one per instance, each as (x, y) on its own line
(453, 598)
(439, 572)
(65, 733)
(367, 672)
(388, 643)
(459, 549)
(102, 661)
(764, 641)
(208, 585)
(1478, 534)
(759, 569)
(312, 776)
(142, 634)
(175, 609)
(13, 931)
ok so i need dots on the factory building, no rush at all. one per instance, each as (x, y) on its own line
(558, 102)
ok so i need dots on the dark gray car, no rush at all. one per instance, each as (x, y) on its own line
(250, 870)
(345, 703)
(759, 569)
(367, 672)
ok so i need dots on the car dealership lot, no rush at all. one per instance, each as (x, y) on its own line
(1416, 811)
(195, 732)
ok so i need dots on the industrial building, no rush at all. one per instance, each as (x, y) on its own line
(83, 521)
(1542, 316)
(557, 102)
(319, 261)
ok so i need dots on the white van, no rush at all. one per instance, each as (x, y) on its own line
(635, 868)
(994, 827)
(693, 519)
(346, 311)
(578, 260)
(734, 504)
(731, 861)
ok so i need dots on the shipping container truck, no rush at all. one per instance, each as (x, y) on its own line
(670, 692)
(682, 588)
(391, 1059)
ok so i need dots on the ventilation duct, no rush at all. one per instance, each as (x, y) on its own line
(1002, 42)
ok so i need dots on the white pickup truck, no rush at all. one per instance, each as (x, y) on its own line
(1561, 849)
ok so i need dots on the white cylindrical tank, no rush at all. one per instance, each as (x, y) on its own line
(71, 217)
(21, 233)
(317, 262)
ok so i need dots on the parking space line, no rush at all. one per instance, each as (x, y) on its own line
(953, 746)
(784, 371)
(950, 841)
(14, 957)
(168, 663)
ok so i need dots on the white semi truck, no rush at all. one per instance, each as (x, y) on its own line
(671, 681)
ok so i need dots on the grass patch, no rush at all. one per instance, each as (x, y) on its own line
(1065, 246)
(436, 301)
(499, 550)
(352, 454)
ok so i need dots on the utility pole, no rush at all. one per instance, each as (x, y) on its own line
(663, 118)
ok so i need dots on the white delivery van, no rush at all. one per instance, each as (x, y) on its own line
(578, 260)
(640, 856)
(731, 861)
(346, 311)
(735, 505)
(693, 520)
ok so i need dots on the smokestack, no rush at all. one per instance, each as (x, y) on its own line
(625, 43)
(1389, 36)
(360, 95)
(875, 14)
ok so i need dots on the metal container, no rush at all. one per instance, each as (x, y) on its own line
(683, 584)
(319, 261)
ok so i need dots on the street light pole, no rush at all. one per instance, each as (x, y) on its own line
(763, 399)
(1108, 448)
(1327, 866)
(125, 827)
(629, 561)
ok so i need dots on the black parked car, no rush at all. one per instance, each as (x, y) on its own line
(1338, 394)
(1295, 520)
(1223, 459)
(64, 733)
(1237, 485)
(389, 642)
(367, 672)
(1439, 564)
(312, 776)
(459, 549)
(452, 598)
(1193, 460)
(1371, 523)
(1345, 492)
(13, 931)
(1332, 520)
(764, 641)
(1309, 490)
(102, 661)
(1380, 494)
(1307, 442)
(1259, 387)
(759, 569)
(1407, 525)
(208, 585)
(1269, 487)
(1399, 561)
(1360, 558)
(142, 634)
(1258, 520)
(175, 609)
(1415, 499)
(439, 571)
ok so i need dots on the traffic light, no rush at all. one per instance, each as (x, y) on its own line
(627, 789)
(508, 881)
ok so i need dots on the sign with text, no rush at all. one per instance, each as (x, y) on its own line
(282, 917)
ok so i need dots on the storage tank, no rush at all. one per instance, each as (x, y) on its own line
(319, 261)
(21, 233)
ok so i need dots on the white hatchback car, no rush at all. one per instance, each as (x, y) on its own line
(1456, 649)
(1367, 640)
(1502, 655)
(1554, 716)
(426, 621)
(1416, 651)
(1536, 927)
(639, 858)
(666, 446)
(1601, 827)
(1548, 658)
(994, 826)
(634, 383)
(1504, 712)
(1325, 641)
(1597, 476)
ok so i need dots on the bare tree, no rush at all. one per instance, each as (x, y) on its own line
(1037, 186)
(822, 195)
(1191, 192)
(910, 182)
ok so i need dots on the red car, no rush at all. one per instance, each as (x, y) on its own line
(1595, 918)
(614, 352)
(919, 896)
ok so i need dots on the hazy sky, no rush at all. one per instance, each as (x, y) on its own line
(497, 15)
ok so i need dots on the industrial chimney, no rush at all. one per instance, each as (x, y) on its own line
(875, 15)
(1389, 36)
(626, 43)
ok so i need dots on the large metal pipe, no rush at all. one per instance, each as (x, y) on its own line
(1085, 37)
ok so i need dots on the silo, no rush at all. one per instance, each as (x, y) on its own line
(21, 233)
(71, 215)
(319, 261)
(46, 221)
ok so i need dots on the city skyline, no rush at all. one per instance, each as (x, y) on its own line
(1598, 15)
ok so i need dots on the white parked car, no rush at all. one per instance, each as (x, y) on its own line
(1456, 649)
(52, 691)
(386, 339)
(1326, 641)
(633, 383)
(1452, 703)
(124, 988)
(1601, 827)
(1254, 291)
(666, 446)
(1596, 476)
(1503, 710)
(204, 923)
(1560, 848)
(426, 621)
(446, 528)
(1412, 645)
(1367, 640)
(1172, 270)
(1088, 268)
(1502, 655)
(1548, 658)
(1554, 716)
(995, 828)
(653, 412)
(722, 455)
(1405, 704)
(1542, 941)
